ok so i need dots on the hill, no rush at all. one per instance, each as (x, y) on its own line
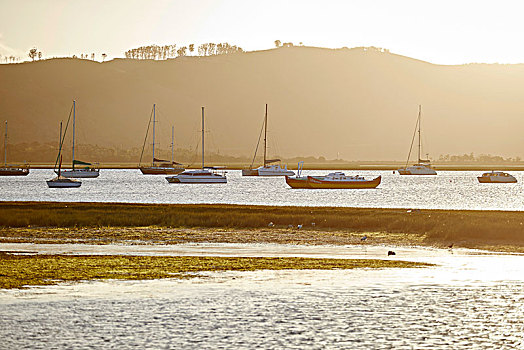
(355, 103)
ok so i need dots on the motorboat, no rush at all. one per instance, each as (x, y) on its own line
(270, 166)
(496, 177)
(160, 166)
(206, 175)
(423, 167)
(335, 180)
(12, 170)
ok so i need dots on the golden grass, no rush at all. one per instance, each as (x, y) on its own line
(18, 271)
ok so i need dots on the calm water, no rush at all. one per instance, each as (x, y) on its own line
(448, 190)
(471, 300)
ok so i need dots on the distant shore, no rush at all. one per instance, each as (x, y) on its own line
(327, 166)
(106, 223)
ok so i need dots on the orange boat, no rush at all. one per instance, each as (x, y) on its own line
(336, 180)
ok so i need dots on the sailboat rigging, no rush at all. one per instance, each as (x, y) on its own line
(88, 170)
(268, 168)
(11, 170)
(423, 166)
(200, 176)
(59, 181)
(160, 166)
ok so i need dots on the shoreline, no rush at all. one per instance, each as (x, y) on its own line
(323, 167)
(116, 223)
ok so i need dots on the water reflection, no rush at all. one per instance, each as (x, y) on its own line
(470, 300)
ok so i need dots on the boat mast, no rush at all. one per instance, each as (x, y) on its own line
(265, 136)
(5, 146)
(202, 138)
(419, 143)
(172, 145)
(154, 121)
(60, 150)
(74, 109)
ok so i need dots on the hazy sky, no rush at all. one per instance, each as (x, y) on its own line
(444, 32)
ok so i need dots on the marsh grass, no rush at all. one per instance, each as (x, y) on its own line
(435, 225)
(18, 271)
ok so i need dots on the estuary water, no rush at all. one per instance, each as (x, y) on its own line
(469, 300)
(447, 190)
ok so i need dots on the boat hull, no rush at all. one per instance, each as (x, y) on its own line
(417, 171)
(315, 182)
(298, 182)
(249, 172)
(81, 174)
(312, 182)
(268, 171)
(496, 180)
(14, 171)
(196, 180)
(63, 184)
(160, 170)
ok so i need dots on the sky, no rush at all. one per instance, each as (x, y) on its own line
(441, 32)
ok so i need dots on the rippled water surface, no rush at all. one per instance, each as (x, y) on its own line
(470, 300)
(448, 190)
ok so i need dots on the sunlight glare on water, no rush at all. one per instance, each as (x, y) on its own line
(448, 190)
(469, 300)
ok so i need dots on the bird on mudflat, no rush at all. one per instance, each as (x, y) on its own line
(390, 252)
(364, 238)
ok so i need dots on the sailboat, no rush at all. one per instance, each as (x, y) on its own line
(205, 175)
(87, 170)
(160, 166)
(11, 170)
(59, 181)
(423, 167)
(269, 168)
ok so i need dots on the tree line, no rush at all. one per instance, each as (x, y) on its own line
(482, 159)
(162, 52)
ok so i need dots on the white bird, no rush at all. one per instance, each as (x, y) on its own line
(299, 227)
(271, 224)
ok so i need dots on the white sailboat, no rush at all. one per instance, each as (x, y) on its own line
(160, 166)
(206, 175)
(270, 168)
(87, 170)
(423, 166)
(59, 181)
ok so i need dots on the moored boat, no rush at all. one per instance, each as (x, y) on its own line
(496, 177)
(269, 167)
(59, 181)
(340, 180)
(87, 170)
(160, 166)
(164, 168)
(206, 175)
(12, 170)
(423, 167)
(336, 180)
